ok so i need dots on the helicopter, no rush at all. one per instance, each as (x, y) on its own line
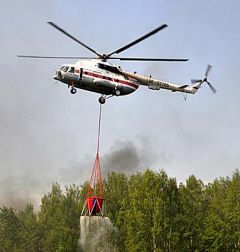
(97, 74)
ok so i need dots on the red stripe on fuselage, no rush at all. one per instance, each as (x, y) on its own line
(96, 75)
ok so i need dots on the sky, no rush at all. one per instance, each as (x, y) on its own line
(48, 135)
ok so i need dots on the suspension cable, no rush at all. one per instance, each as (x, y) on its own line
(99, 128)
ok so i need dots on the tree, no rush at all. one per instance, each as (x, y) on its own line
(166, 214)
(213, 233)
(59, 219)
(152, 216)
(137, 223)
(232, 208)
(116, 194)
(10, 226)
(194, 209)
(30, 233)
(222, 232)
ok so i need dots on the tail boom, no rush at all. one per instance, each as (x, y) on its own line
(155, 84)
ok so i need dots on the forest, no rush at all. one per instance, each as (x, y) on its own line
(150, 210)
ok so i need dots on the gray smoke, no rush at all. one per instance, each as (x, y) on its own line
(129, 157)
(123, 157)
(17, 191)
(126, 157)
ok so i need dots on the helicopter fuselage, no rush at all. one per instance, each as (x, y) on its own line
(96, 76)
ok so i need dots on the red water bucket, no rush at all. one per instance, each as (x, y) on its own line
(94, 204)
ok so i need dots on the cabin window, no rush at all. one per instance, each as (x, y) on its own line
(71, 70)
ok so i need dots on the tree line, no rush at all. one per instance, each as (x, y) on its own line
(150, 211)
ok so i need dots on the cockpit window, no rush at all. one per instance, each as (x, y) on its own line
(65, 69)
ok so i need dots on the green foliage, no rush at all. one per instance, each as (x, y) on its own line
(193, 209)
(59, 219)
(222, 231)
(116, 194)
(30, 232)
(150, 211)
(9, 230)
(116, 191)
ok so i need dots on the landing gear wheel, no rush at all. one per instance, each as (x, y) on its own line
(73, 90)
(117, 92)
(102, 100)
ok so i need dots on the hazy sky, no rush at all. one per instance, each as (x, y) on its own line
(47, 134)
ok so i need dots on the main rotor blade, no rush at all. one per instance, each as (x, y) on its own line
(76, 40)
(54, 57)
(147, 59)
(138, 40)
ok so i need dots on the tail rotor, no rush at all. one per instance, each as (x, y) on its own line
(194, 81)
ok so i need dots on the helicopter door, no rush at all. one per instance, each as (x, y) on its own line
(81, 74)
